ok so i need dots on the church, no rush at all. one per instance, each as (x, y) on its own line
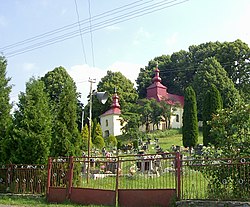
(111, 121)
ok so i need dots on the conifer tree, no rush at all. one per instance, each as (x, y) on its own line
(5, 107)
(211, 104)
(31, 136)
(190, 120)
(66, 139)
(85, 136)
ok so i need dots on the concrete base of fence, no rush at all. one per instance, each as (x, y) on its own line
(207, 203)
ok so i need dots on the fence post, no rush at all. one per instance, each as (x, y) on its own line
(178, 174)
(48, 176)
(70, 176)
(117, 180)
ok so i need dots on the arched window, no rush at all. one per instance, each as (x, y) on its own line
(106, 133)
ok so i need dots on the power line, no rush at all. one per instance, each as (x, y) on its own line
(79, 25)
(91, 35)
(99, 25)
(70, 26)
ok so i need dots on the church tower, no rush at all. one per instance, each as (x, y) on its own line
(110, 120)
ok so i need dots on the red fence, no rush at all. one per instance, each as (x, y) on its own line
(103, 180)
(123, 177)
(23, 179)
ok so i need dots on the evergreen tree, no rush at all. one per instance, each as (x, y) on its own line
(66, 139)
(111, 141)
(212, 103)
(190, 121)
(5, 107)
(98, 133)
(99, 142)
(31, 134)
(85, 136)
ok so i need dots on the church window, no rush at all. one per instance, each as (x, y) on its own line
(107, 122)
(177, 118)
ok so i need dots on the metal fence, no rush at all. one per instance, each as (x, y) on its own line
(130, 171)
(23, 179)
(215, 179)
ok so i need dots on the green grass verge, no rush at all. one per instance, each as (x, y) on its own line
(38, 201)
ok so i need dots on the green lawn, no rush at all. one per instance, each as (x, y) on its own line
(33, 201)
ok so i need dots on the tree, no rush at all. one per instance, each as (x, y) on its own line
(211, 72)
(190, 121)
(32, 126)
(5, 107)
(66, 139)
(167, 112)
(99, 142)
(111, 141)
(97, 130)
(109, 83)
(85, 136)
(157, 111)
(231, 127)
(145, 111)
(211, 104)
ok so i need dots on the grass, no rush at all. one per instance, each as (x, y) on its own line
(38, 201)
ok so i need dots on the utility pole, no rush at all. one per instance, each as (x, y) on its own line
(90, 123)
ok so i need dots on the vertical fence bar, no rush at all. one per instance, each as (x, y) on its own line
(178, 174)
(70, 176)
(49, 175)
(117, 181)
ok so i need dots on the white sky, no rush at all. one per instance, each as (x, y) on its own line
(124, 47)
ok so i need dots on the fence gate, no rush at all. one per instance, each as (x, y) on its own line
(132, 180)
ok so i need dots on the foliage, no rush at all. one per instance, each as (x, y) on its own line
(111, 141)
(66, 139)
(85, 136)
(224, 164)
(99, 142)
(231, 127)
(31, 134)
(211, 104)
(5, 107)
(190, 121)
(114, 81)
(145, 111)
(179, 69)
(157, 111)
(211, 72)
(131, 118)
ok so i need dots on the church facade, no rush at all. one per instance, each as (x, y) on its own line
(159, 92)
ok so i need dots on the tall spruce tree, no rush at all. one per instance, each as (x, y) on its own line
(190, 120)
(5, 107)
(211, 104)
(66, 139)
(31, 134)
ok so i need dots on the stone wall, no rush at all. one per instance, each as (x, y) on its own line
(207, 203)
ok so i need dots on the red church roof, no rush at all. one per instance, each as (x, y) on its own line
(159, 92)
(115, 107)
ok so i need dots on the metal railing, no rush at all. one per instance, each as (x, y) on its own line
(23, 179)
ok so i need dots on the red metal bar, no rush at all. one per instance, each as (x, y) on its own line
(71, 169)
(178, 174)
(48, 176)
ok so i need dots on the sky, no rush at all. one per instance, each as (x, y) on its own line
(38, 36)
